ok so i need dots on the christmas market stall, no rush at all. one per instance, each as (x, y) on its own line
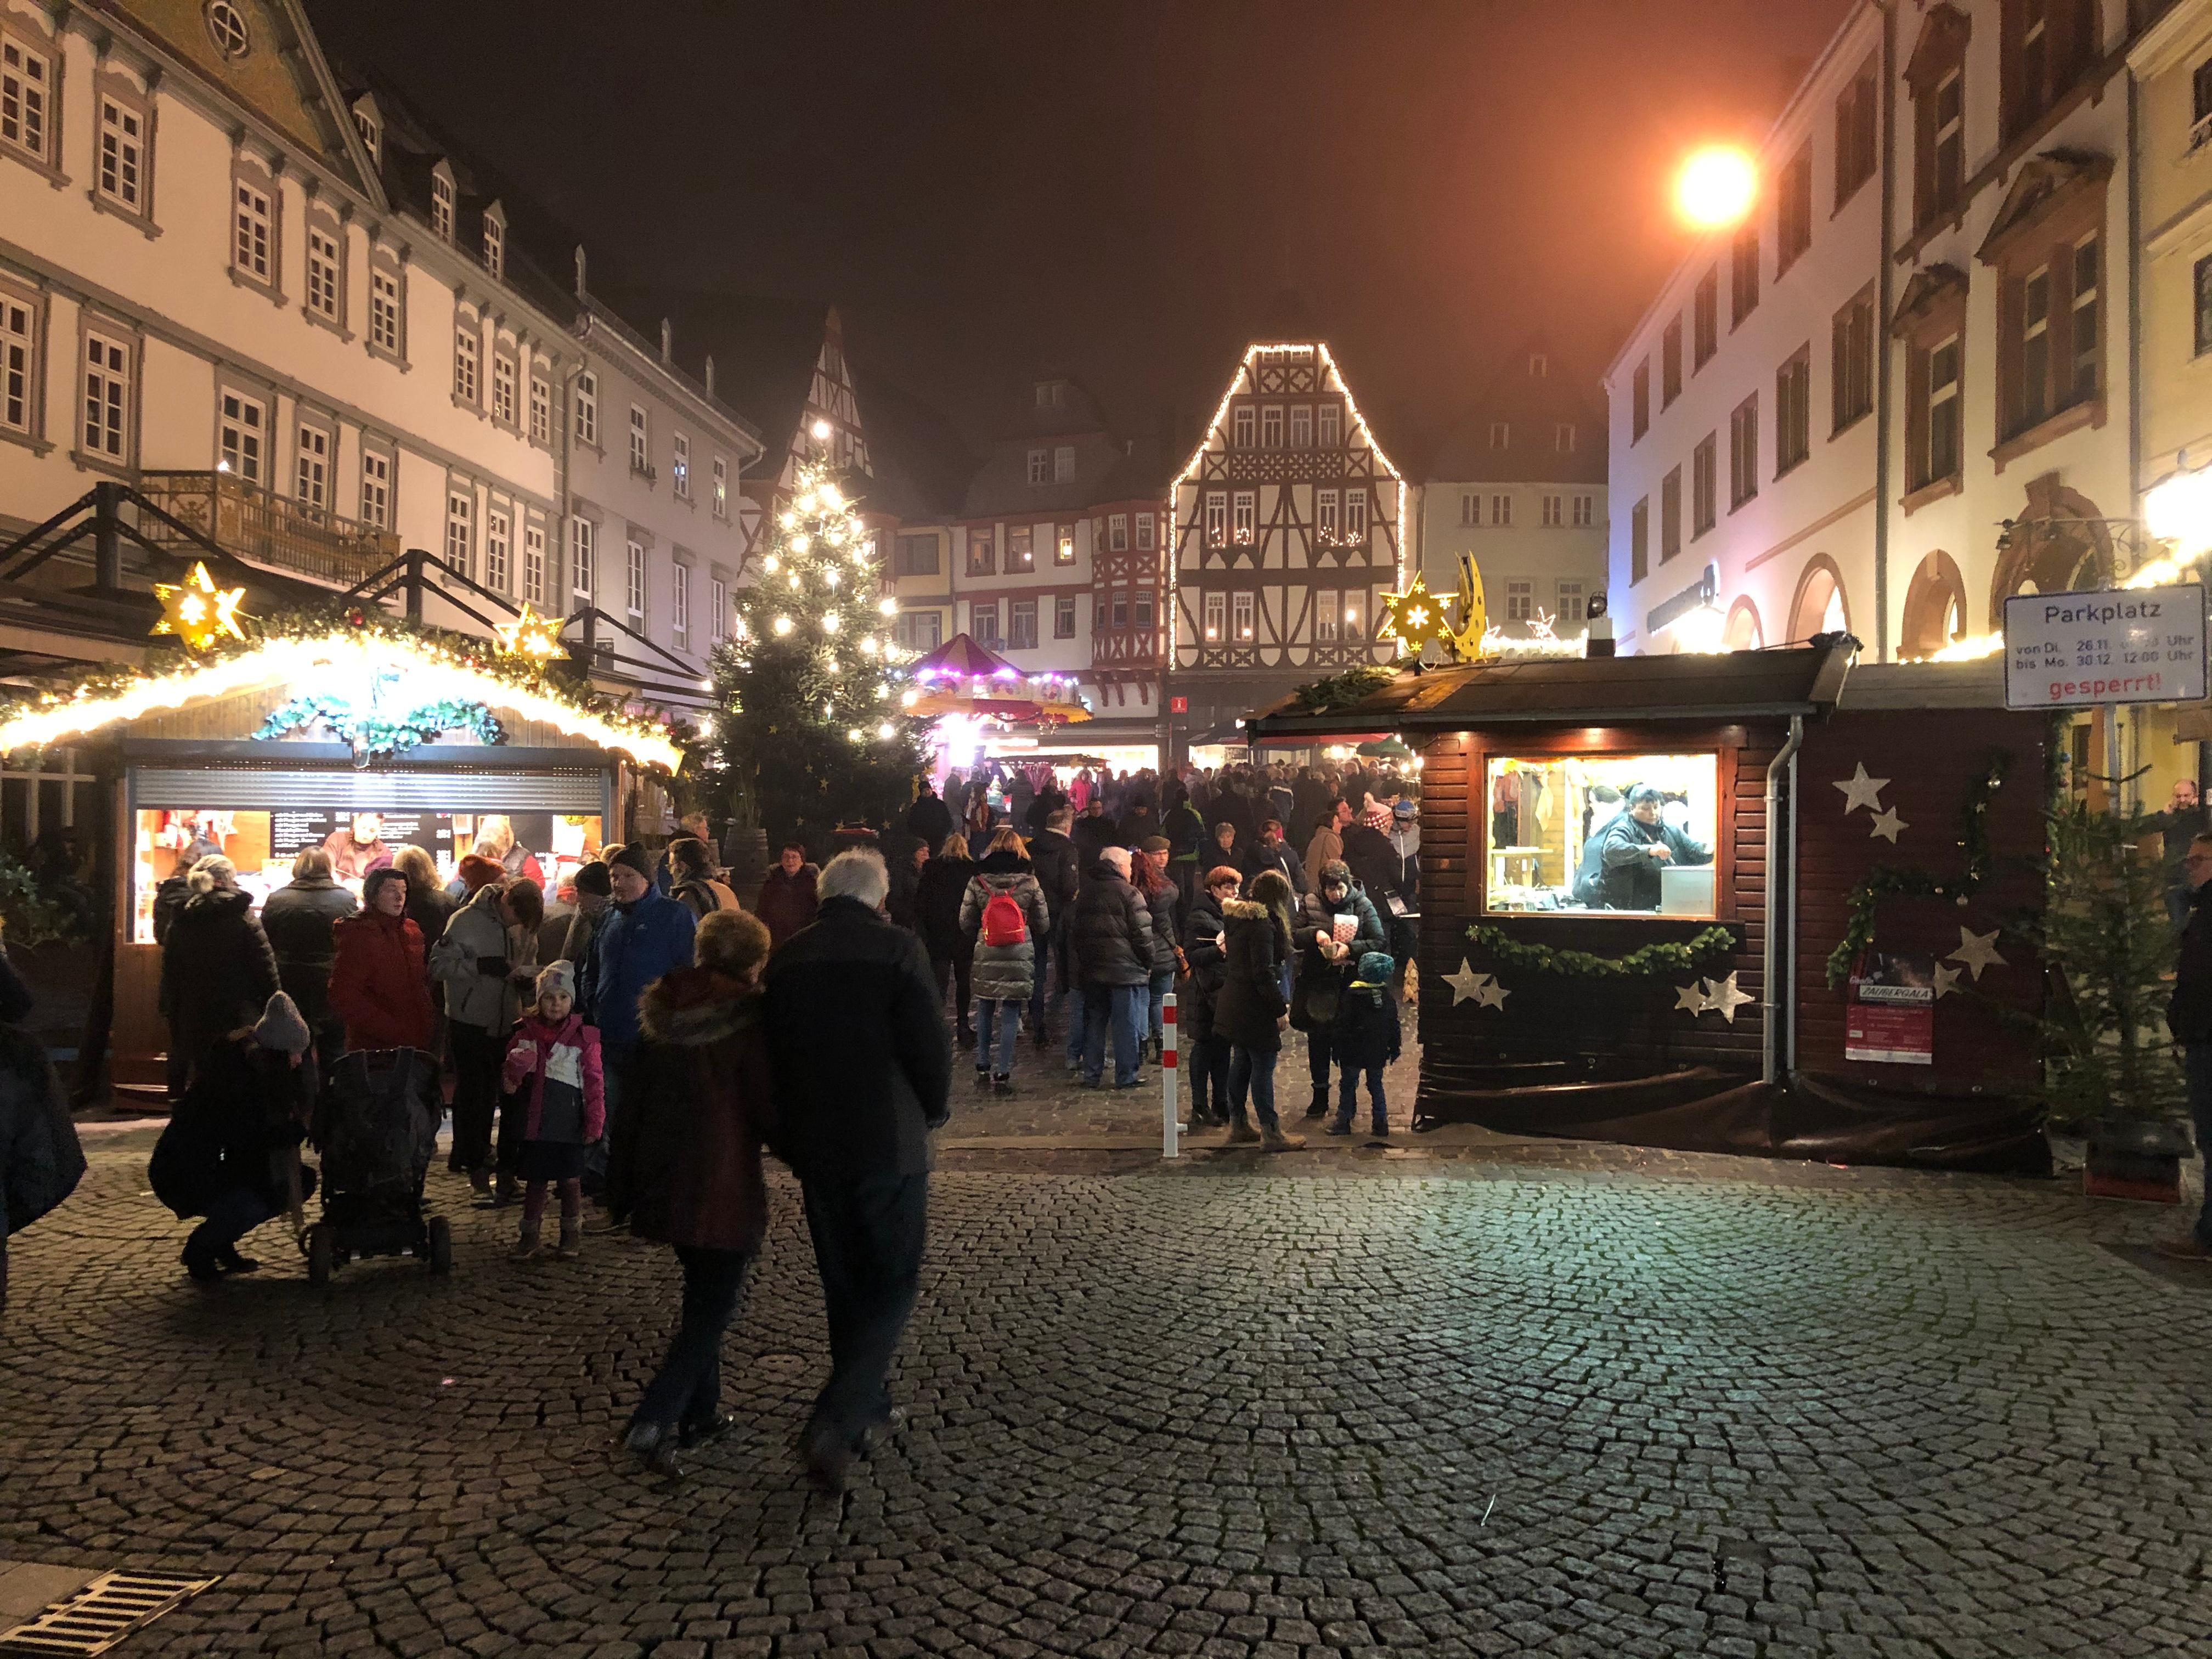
(1638, 871)
(354, 731)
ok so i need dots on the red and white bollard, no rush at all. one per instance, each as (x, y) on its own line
(1170, 1129)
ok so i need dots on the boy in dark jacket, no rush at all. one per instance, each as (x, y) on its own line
(1367, 1039)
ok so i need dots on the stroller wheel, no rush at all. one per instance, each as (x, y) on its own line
(322, 1254)
(441, 1245)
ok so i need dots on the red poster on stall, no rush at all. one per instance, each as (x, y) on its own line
(1892, 1016)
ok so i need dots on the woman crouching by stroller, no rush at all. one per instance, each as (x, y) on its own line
(684, 1166)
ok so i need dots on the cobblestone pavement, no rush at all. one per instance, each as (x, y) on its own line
(1486, 1410)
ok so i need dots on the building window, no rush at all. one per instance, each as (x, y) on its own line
(376, 490)
(1240, 425)
(1063, 544)
(1240, 611)
(1670, 514)
(1332, 426)
(441, 206)
(1793, 211)
(322, 273)
(1501, 512)
(1858, 133)
(1551, 515)
(1144, 610)
(1851, 370)
(1328, 612)
(641, 452)
(461, 526)
(1639, 541)
(1705, 319)
(1520, 601)
(2204, 305)
(721, 487)
(587, 409)
(1470, 509)
(1328, 518)
(1120, 609)
(583, 559)
(26, 98)
(1144, 532)
(541, 411)
(106, 397)
(494, 246)
(1501, 435)
(242, 437)
(384, 312)
(533, 564)
(1271, 427)
(1352, 597)
(1563, 437)
(2032, 402)
(1063, 617)
(718, 600)
(1245, 513)
(1572, 607)
(502, 389)
(123, 155)
(1704, 485)
(1215, 609)
(1302, 426)
(227, 29)
(1355, 517)
(371, 130)
(251, 249)
(982, 559)
(1063, 464)
(1217, 518)
(1944, 450)
(1117, 533)
(1048, 393)
(917, 630)
(1583, 514)
(1021, 625)
(1743, 453)
(2044, 47)
(1743, 274)
(915, 556)
(1670, 362)
(1037, 474)
(634, 580)
(466, 350)
(2083, 332)
(1639, 406)
(1579, 788)
(17, 340)
(679, 467)
(312, 480)
(498, 528)
(1942, 163)
(679, 603)
(1021, 554)
(983, 623)
(1793, 415)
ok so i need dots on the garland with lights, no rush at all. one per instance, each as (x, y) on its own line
(1887, 881)
(371, 733)
(1660, 957)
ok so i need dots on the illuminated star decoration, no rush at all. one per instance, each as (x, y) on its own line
(1691, 998)
(529, 636)
(1415, 618)
(1860, 790)
(196, 611)
(1947, 981)
(1886, 823)
(1722, 995)
(1491, 994)
(1978, 950)
(1465, 983)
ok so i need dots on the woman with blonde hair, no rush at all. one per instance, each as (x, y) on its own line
(298, 919)
(939, 891)
(217, 969)
(1002, 915)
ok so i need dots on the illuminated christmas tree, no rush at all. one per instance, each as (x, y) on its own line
(811, 732)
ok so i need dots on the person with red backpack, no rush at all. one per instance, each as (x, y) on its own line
(1004, 913)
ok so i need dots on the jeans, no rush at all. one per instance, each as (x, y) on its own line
(1207, 1067)
(1119, 1009)
(954, 971)
(687, 1390)
(1000, 1018)
(2197, 1070)
(477, 1057)
(867, 1239)
(1253, 1073)
(230, 1217)
(1321, 1048)
(1348, 1094)
(613, 1064)
(1156, 1008)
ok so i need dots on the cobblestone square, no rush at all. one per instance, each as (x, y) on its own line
(1485, 1407)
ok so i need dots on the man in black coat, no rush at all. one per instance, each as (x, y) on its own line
(1052, 855)
(1271, 851)
(1095, 832)
(863, 1073)
(1112, 943)
(929, 819)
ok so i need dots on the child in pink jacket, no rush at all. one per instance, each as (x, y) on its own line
(556, 1056)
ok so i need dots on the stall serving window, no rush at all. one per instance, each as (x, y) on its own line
(1601, 834)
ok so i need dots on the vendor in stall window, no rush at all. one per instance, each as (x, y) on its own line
(1637, 845)
(358, 847)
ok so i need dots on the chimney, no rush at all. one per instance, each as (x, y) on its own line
(667, 340)
(579, 270)
(710, 376)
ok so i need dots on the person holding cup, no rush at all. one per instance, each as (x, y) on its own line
(1338, 925)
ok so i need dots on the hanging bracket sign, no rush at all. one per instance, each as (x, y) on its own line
(2122, 645)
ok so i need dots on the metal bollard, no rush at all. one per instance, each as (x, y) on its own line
(1170, 1130)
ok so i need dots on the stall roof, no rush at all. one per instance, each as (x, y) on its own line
(1583, 691)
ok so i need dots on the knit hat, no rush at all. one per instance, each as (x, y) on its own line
(1374, 969)
(634, 857)
(1403, 809)
(1158, 844)
(477, 872)
(593, 879)
(281, 1030)
(1336, 870)
(560, 978)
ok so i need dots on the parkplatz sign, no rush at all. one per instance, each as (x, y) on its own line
(2115, 645)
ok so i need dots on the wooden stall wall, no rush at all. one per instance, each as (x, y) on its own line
(1928, 757)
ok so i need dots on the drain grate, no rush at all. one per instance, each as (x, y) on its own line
(101, 1614)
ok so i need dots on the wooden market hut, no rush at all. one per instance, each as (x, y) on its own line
(1544, 1006)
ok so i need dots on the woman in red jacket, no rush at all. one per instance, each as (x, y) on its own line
(378, 985)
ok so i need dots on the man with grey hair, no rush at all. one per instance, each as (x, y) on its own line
(863, 1071)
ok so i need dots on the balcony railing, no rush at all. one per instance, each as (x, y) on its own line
(268, 529)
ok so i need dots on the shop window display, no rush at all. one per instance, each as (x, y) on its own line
(1603, 833)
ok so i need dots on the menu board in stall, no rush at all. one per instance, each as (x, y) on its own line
(290, 830)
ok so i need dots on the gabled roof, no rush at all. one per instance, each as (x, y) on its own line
(765, 348)
(1107, 468)
(1331, 376)
(1531, 406)
(922, 465)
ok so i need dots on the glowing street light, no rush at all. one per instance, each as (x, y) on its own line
(1716, 187)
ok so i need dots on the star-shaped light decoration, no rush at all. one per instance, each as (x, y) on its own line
(1465, 983)
(1947, 981)
(1860, 790)
(1691, 999)
(1886, 823)
(1978, 950)
(1490, 993)
(197, 613)
(1722, 995)
(530, 635)
(1415, 617)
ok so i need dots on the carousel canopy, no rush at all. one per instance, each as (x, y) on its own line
(960, 658)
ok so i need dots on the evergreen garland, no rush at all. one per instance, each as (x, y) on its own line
(1342, 690)
(1887, 881)
(1658, 957)
(372, 734)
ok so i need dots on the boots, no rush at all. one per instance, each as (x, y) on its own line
(1274, 1140)
(527, 1248)
(572, 1238)
(1241, 1132)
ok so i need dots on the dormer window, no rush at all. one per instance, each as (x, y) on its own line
(370, 124)
(441, 203)
(1501, 435)
(1051, 394)
(494, 244)
(1539, 366)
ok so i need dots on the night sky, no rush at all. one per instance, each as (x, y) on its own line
(1122, 190)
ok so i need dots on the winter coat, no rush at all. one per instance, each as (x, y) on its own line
(1318, 994)
(938, 895)
(560, 1065)
(41, 1160)
(1186, 833)
(472, 961)
(1051, 855)
(1250, 1000)
(1325, 846)
(929, 820)
(635, 945)
(1201, 945)
(786, 903)
(298, 919)
(683, 1163)
(378, 985)
(1366, 1030)
(1111, 936)
(217, 970)
(1004, 972)
(1281, 856)
(1160, 911)
(903, 905)
(246, 1106)
(1092, 836)
(1373, 861)
(2189, 1013)
(862, 1061)
(1631, 875)
(702, 896)
(578, 929)
(430, 910)
(171, 897)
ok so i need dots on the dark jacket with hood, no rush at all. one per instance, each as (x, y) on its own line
(1160, 905)
(1373, 861)
(684, 1162)
(1281, 856)
(1202, 948)
(786, 903)
(1250, 1000)
(40, 1159)
(1052, 856)
(298, 918)
(938, 896)
(1092, 836)
(1318, 993)
(217, 970)
(1111, 937)
(1005, 971)
(246, 1105)
(930, 820)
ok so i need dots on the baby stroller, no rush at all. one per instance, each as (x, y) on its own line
(376, 1126)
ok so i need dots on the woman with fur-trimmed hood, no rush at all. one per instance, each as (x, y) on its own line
(1256, 942)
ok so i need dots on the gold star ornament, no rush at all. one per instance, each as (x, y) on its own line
(197, 613)
(531, 636)
(1415, 618)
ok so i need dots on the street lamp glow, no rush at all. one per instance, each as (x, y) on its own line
(1716, 187)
